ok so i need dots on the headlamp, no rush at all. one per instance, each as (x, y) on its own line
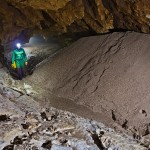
(18, 45)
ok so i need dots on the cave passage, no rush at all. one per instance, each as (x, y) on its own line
(37, 49)
(85, 57)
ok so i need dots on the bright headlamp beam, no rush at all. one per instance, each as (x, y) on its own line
(18, 45)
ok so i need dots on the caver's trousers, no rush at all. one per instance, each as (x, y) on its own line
(20, 73)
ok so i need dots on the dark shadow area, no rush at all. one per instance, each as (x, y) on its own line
(118, 30)
(77, 35)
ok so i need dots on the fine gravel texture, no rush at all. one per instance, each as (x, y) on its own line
(109, 74)
(25, 124)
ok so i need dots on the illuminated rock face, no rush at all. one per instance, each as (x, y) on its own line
(24, 17)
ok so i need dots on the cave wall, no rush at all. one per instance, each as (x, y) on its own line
(22, 18)
(130, 14)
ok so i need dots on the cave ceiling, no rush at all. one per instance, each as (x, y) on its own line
(23, 18)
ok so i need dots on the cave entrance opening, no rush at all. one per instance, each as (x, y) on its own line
(37, 49)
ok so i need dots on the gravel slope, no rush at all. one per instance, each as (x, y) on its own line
(109, 74)
(26, 124)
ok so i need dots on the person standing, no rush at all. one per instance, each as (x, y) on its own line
(19, 60)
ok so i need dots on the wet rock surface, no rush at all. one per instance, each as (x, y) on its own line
(26, 124)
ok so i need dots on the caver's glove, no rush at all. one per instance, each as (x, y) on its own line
(14, 65)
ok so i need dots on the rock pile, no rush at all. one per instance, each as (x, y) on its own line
(54, 129)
